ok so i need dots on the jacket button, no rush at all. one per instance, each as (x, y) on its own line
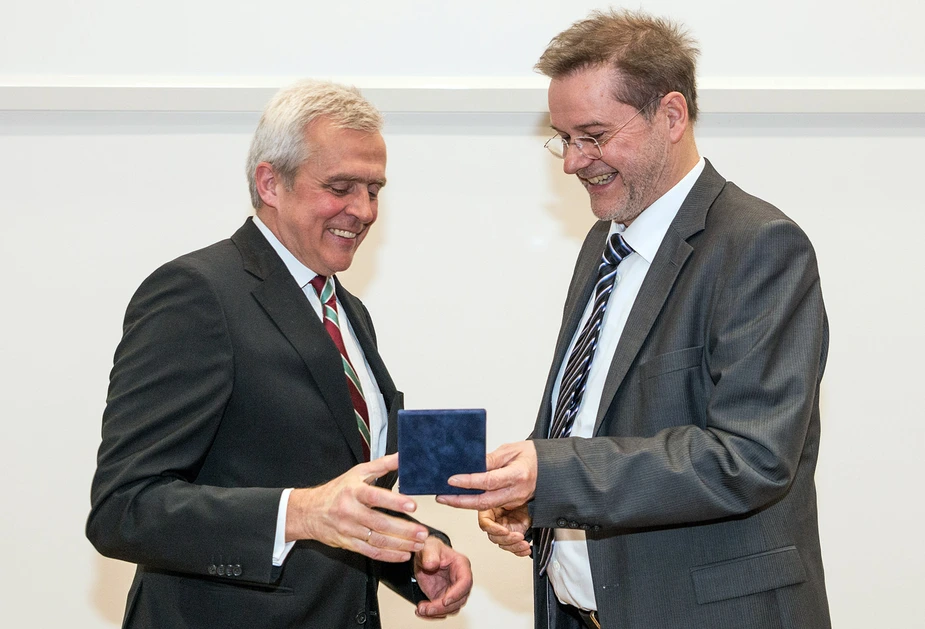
(361, 618)
(237, 570)
(584, 526)
(573, 524)
(596, 528)
(221, 570)
(212, 569)
(561, 523)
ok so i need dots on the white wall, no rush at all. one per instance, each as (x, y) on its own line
(93, 201)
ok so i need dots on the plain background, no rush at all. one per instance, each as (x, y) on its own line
(465, 272)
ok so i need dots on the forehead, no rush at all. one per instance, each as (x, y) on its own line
(584, 98)
(356, 154)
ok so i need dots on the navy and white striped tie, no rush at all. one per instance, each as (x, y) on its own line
(575, 378)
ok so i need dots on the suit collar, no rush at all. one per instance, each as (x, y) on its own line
(647, 232)
(257, 255)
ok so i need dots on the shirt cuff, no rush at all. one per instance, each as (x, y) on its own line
(281, 547)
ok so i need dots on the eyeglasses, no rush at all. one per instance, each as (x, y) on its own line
(587, 146)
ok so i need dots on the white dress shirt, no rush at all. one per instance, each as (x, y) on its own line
(569, 567)
(378, 415)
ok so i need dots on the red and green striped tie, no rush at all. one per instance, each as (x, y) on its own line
(325, 289)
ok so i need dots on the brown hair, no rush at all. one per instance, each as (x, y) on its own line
(652, 56)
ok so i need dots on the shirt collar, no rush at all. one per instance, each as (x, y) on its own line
(301, 273)
(645, 234)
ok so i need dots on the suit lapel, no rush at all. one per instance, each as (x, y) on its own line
(669, 260)
(285, 303)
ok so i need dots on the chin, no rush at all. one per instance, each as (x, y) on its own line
(609, 213)
(622, 213)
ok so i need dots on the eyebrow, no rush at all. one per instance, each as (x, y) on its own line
(354, 179)
(583, 127)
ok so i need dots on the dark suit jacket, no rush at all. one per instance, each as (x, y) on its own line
(225, 389)
(697, 491)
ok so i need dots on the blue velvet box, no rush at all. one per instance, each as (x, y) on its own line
(436, 444)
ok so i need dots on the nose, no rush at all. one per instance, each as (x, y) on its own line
(362, 207)
(574, 160)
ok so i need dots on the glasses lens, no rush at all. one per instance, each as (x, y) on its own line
(589, 147)
(556, 146)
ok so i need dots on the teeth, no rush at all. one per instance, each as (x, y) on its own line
(594, 181)
(343, 233)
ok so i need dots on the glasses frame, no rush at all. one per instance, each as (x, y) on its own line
(585, 141)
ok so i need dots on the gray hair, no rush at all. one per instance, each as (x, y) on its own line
(280, 136)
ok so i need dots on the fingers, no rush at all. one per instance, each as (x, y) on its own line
(460, 584)
(343, 513)
(447, 582)
(511, 541)
(437, 610)
(385, 537)
(466, 501)
(510, 481)
(506, 528)
(520, 549)
(393, 533)
(490, 525)
(504, 498)
(372, 496)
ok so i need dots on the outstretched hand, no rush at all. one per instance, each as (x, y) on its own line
(509, 483)
(341, 513)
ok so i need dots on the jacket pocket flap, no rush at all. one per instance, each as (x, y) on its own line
(748, 575)
(672, 361)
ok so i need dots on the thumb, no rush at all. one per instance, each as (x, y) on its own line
(430, 557)
(378, 467)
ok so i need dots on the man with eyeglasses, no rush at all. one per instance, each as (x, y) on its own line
(668, 482)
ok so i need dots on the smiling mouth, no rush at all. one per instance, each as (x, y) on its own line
(343, 233)
(600, 180)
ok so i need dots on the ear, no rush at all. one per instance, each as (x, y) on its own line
(675, 106)
(266, 179)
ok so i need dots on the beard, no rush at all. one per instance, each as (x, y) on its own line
(642, 183)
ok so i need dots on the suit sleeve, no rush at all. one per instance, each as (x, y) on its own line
(171, 379)
(764, 346)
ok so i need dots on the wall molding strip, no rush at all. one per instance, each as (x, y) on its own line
(447, 95)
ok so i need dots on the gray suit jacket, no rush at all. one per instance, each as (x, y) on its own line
(697, 491)
(225, 389)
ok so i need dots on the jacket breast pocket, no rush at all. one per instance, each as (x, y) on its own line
(670, 391)
(672, 361)
(748, 575)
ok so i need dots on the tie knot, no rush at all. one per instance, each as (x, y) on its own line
(324, 286)
(616, 250)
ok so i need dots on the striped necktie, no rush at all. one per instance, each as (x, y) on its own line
(575, 378)
(325, 289)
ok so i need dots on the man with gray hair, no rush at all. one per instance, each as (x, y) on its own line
(248, 441)
(668, 482)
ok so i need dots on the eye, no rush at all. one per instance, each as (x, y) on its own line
(341, 189)
(373, 191)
